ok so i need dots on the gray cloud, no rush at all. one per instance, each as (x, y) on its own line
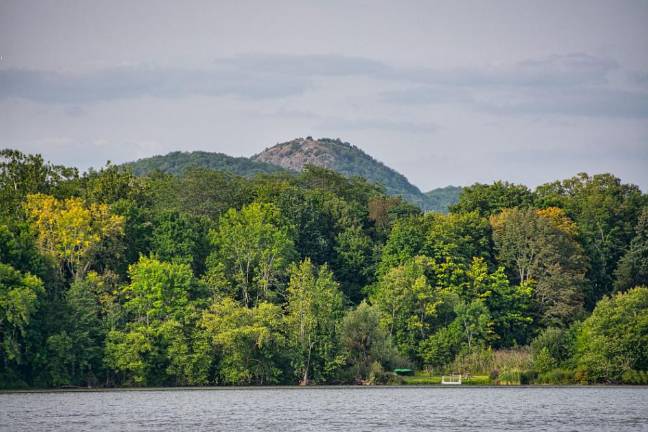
(592, 102)
(341, 124)
(562, 84)
(247, 76)
(433, 94)
(574, 84)
(305, 65)
(124, 83)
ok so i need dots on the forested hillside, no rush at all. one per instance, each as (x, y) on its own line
(345, 159)
(209, 278)
(293, 156)
(178, 162)
(440, 199)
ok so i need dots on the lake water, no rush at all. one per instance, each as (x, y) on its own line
(331, 409)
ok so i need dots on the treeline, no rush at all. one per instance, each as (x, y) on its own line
(108, 279)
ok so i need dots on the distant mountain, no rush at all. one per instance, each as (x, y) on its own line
(177, 162)
(440, 199)
(336, 155)
(344, 158)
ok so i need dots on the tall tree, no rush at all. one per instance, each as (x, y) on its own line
(71, 232)
(365, 341)
(538, 252)
(249, 343)
(509, 305)
(21, 175)
(633, 266)
(315, 308)
(605, 211)
(19, 298)
(414, 298)
(255, 250)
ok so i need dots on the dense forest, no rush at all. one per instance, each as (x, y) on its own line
(334, 154)
(209, 278)
(177, 162)
(440, 199)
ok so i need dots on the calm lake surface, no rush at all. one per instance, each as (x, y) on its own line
(331, 408)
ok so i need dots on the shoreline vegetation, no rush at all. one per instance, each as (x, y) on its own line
(325, 387)
(204, 278)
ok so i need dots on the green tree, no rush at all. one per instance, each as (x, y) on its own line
(409, 301)
(255, 250)
(19, 299)
(354, 261)
(606, 212)
(633, 266)
(129, 353)
(406, 240)
(614, 339)
(365, 342)
(470, 330)
(441, 347)
(546, 257)
(315, 308)
(458, 237)
(22, 174)
(508, 305)
(490, 199)
(75, 354)
(202, 192)
(71, 232)
(555, 347)
(250, 343)
(180, 238)
(161, 306)
(307, 212)
(18, 248)
(475, 322)
(158, 290)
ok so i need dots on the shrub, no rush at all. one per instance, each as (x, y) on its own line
(474, 362)
(486, 361)
(509, 377)
(634, 377)
(615, 337)
(478, 380)
(493, 375)
(528, 377)
(557, 376)
(512, 359)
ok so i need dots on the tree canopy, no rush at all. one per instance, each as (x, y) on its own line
(207, 278)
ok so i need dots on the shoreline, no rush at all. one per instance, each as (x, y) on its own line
(318, 387)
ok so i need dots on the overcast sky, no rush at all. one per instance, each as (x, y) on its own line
(446, 92)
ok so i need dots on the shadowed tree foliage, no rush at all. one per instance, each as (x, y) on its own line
(606, 212)
(544, 255)
(633, 266)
